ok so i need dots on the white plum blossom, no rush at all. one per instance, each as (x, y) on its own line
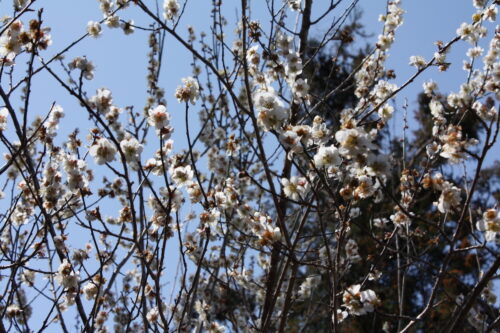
(159, 117)
(359, 302)
(103, 151)
(385, 112)
(181, 175)
(341, 316)
(237, 47)
(380, 222)
(94, 29)
(300, 88)
(113, 21)
(105, 6)
(103, 100)
(84, 65)
(194, 192)
(28, 277)
(491, 13)
(400, 218)
(272, 113)
(366, 187)
(90, 290)
(263, 228)
(353, 141)
(327, 157)
(174, 197)
(320, 133)
(437, 109)
(440, 58)
(75, 169)
(132, 149)
(293, 65)
(66, 276)
(479, 3)
(171, 9)
(454, 100)
(101, 318)
(284, 43)
(303, 132)
(14, 310)
(453, 145)
(211, 217)
(471, 32)
(490, 225)
(291, 141)
(384, 89)
(4, 114)
(486, 113)
(294, 4)
(429, 87)
(188, 92)
(306, 287)
(253, 56)
(10, 43)
(128, 27)
(220, 199)
(52, 123)
(232, 145)
(153, 315)
(449, 199)
(475, 52)
(385, 41)
(295, 188)
(417, 61)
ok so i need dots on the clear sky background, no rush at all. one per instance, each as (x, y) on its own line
(121, 60)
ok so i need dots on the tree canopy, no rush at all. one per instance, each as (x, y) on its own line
(295, 200)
